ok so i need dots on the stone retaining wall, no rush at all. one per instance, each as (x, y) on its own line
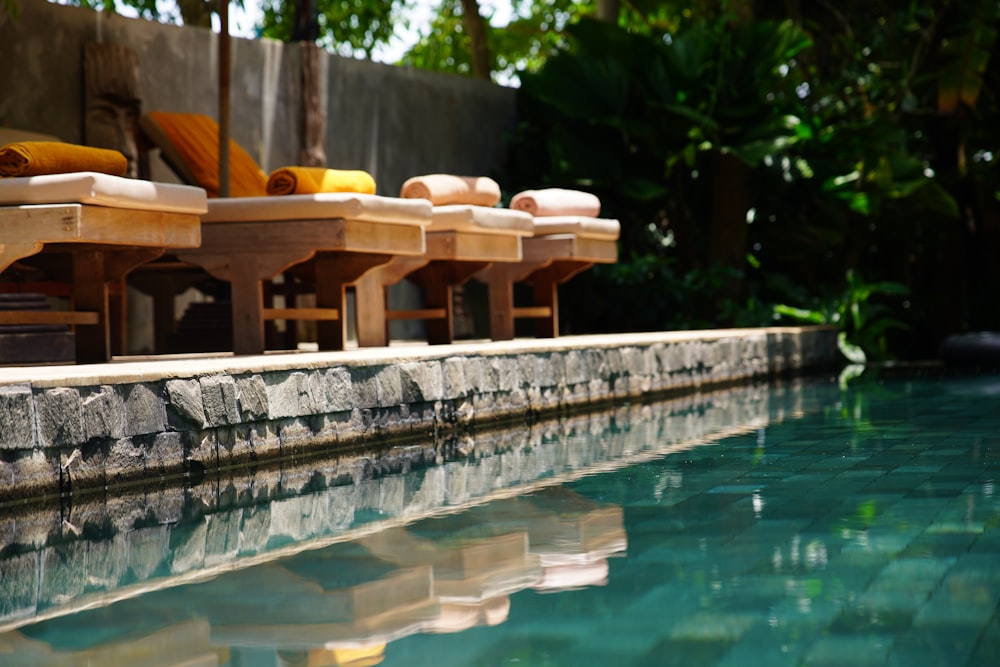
(70, 429)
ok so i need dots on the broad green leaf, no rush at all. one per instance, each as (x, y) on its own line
(851, 352)
(801, 314)
(965, 55)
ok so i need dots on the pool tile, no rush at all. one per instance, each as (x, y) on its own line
(864, 618)
(681, 653)
(933, 647)
(765, 646)
(987, 651)
(837, 651)
(940, 544)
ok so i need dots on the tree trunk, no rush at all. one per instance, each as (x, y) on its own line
(728, 224)
(607, 10)
(305, 27)
(196, 12)
(475, 26)
(313, 153)
(727, 235)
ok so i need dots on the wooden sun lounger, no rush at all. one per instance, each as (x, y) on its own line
(561, 248)
(461, 240)
(106, 226)
(337, 237)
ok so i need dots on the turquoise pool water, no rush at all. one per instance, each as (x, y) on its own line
(798, 525)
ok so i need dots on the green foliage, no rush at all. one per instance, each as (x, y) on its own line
(534, 32)
(652, 294)
(965, 53)
(853, 169)
(654, 112)
(146, 8)
(186, 12)
(346, 27)
(863, 321)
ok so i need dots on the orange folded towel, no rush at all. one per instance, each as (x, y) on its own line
(557, 201)
(443, 189)
(313, 180)
(37, 158)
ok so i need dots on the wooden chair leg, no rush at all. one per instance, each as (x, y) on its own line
(370, 315)
(118, 316)
(331, 292)
(501, 300)
(438, 294)
(546, 293)
(248, 309)
(90, 293)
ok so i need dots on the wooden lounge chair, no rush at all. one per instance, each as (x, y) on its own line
(335, 238)
(106, 226)
(560, 248)
(462, 240)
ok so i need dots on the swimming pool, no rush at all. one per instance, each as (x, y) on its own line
(793, 525)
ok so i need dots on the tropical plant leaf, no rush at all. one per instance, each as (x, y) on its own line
(580, 86)
(965, 55)
(851, 352)
(934, 197)
(802, 314)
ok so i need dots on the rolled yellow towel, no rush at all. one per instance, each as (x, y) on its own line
(444, 189)
(37, 158)
(313, 180)
(557, 201)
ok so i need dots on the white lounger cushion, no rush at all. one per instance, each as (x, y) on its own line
(592, 228)
(482, 219)
(346, 205)
(102, 190)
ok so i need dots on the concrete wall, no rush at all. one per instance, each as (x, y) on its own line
(391, 121)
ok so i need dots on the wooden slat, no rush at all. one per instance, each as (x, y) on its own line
(301, 314)
(47, 287)
(47, 317)
(533, 311)
(417, 314)
(473, 247)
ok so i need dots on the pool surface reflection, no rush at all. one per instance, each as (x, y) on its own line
(796, 525)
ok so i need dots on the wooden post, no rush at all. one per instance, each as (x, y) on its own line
(225, 69)
(313, 153)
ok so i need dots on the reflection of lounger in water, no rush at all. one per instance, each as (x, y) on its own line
(474, 575)
(112, 641)
(467, 568)
(338, 597)
(572, 536)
